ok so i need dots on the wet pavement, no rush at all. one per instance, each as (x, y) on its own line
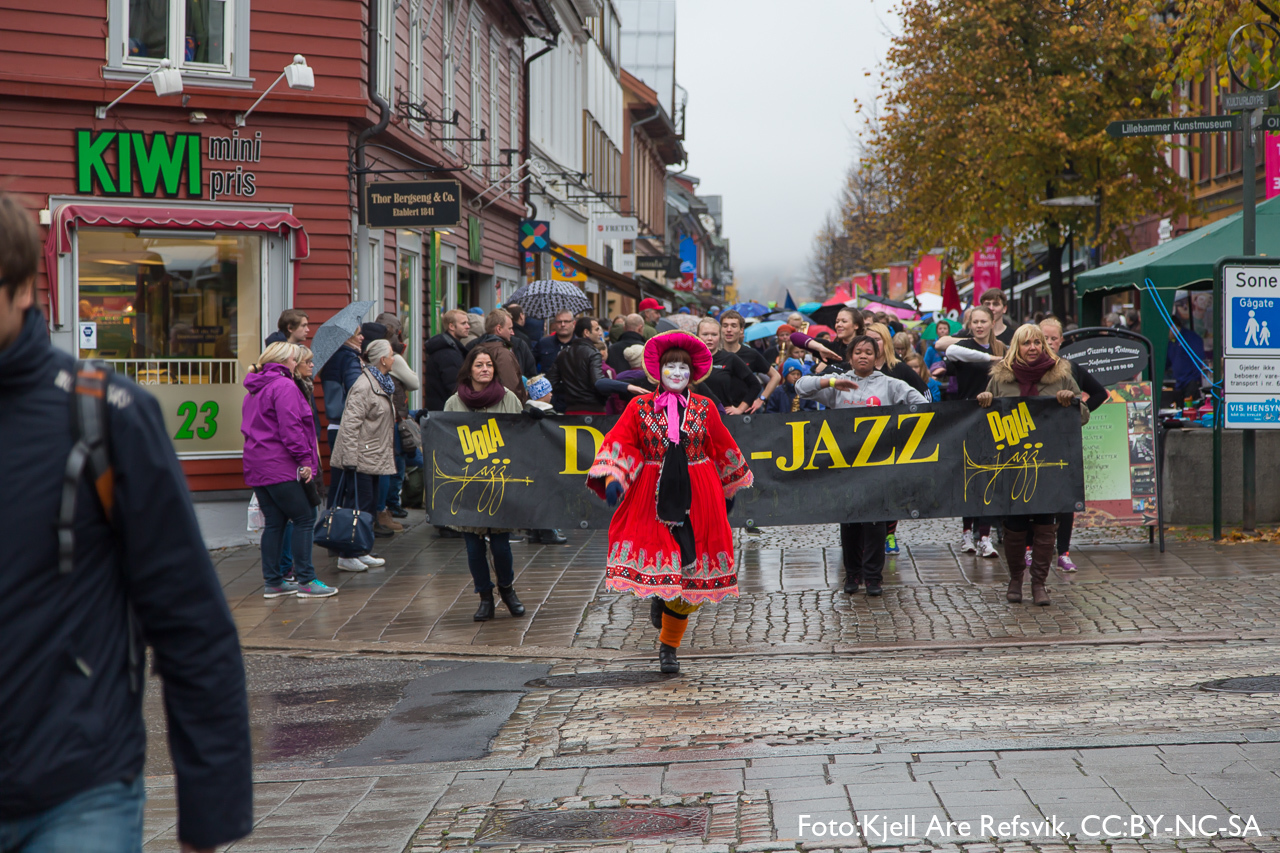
(385, 719)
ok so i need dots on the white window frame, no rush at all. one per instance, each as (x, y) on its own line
(233, 72)
(495, 105)
(477, 96)
(410, 243)
(513, 105)
(386, 49)
(448, 73)
(415, 63)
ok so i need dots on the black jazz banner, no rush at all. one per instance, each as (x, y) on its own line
(1019, 457)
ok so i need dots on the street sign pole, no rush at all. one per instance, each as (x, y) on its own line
(1248, 479)
(1220, 410)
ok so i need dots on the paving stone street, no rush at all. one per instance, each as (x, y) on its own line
(935, 718)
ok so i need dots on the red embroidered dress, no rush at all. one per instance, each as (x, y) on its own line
(643, 555)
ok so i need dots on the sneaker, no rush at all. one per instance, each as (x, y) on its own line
(986, 549)
(397, 512)
(966, 543)
(1064, 562)
(316, 589)
(372, 561)
(891, 544)
(351, 564)
(280, 591)
(1028, 558)
(288, 576)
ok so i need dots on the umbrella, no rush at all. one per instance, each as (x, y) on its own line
(826, 315)
(809, 307)
(749, 309)
(766, 329)
(816, 329)
(336, 330)
(891, 303)
(784, 315)
(682, 322)
(548, 298)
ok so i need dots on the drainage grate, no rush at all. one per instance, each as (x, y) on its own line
(592, 825)
(585, 680)
(1253, 684)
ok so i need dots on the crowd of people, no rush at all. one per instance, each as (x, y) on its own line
(497, 361)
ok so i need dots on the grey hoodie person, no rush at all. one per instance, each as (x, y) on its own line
(874, 390)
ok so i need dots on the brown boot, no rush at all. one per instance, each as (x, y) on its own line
(1044, 538)
(1015, 551)
(385, 519)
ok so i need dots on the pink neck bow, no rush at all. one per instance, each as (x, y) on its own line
(671, 401)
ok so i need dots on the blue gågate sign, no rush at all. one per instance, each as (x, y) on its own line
(1255, 322)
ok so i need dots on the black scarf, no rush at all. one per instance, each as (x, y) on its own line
(675, 492)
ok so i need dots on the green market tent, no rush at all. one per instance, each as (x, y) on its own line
(1185, 262)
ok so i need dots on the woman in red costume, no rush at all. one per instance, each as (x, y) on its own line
(675, 469)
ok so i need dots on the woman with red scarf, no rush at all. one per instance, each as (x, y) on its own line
(1031, 369)
(675, 469)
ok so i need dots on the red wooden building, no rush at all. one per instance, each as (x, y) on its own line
(179, 228)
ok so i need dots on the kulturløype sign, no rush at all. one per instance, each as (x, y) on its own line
(868, 464)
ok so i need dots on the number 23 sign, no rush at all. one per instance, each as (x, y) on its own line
(202, 419)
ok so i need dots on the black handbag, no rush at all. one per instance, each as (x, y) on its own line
(342, 528)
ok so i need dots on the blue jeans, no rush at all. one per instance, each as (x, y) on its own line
(286, 549)
(503, 563)
(106, 819)
(282, 503)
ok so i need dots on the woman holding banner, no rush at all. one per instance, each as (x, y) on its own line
(675, 469)
(1031, 369)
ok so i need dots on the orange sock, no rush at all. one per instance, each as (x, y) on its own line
(672, 630)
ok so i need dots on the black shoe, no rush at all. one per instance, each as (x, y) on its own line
(874, 590)
(751, 529)
(383, 532)
(508, 594)
(667, 659)
(398, 512)
(851, 585)
(655, 612)
(485, 613)
(552, 537)
(447, 533)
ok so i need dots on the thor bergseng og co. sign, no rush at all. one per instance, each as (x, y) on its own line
(398, 204)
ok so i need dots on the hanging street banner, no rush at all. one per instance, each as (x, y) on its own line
(940, 460)
(1168, 126)
(987, 262)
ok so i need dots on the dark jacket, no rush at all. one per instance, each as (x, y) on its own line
(276, 337)
(69, 721)
(506, 367)
(440, 375)
(337, 376)
(546, 352)
(524, 357)
(1089, 385)
(784, 397)
(616, 359)
(574, 376)
(730, 381)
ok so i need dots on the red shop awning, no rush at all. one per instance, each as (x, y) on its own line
(69, 216)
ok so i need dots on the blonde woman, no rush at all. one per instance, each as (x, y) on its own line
(279, 456)
(1031, 369)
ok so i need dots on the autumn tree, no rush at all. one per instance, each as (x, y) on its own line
(859, 234)
(987, 103)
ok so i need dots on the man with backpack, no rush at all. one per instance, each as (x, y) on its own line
(109, 559)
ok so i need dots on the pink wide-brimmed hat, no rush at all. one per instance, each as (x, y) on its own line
(660, 343)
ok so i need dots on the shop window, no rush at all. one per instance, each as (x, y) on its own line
(179, 314)
(408, 300)
(200, 37)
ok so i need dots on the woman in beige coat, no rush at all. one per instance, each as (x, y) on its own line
(1031, 369)
(364, 448)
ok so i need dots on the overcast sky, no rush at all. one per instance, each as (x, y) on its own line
(771, 117)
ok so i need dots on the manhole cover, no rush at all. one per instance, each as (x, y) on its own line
(592, 825)
(1253, 684)
(584, 680)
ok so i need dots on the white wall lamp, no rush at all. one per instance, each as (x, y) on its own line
(297, 74)
(166, 79)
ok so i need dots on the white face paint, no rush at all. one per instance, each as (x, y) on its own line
(675, 376)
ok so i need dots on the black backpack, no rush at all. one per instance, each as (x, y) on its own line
(89, 423)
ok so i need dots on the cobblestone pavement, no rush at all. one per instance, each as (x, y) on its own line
(790, 579)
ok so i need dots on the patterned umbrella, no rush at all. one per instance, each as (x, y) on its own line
(336, 330)
(545, 299)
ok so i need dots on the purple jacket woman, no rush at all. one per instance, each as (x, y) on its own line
(280, 453)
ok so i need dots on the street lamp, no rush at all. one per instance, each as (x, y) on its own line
(298, 75)
(166, 80)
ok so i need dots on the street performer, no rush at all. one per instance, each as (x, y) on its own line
(675, 469)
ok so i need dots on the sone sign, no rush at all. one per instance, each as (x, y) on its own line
(1252, 346)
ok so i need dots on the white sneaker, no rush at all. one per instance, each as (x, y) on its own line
(372, 561)
(986, 549)
(966, 542)
(351, 564)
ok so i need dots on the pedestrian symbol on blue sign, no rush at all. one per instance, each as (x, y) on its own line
(1253, 320)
